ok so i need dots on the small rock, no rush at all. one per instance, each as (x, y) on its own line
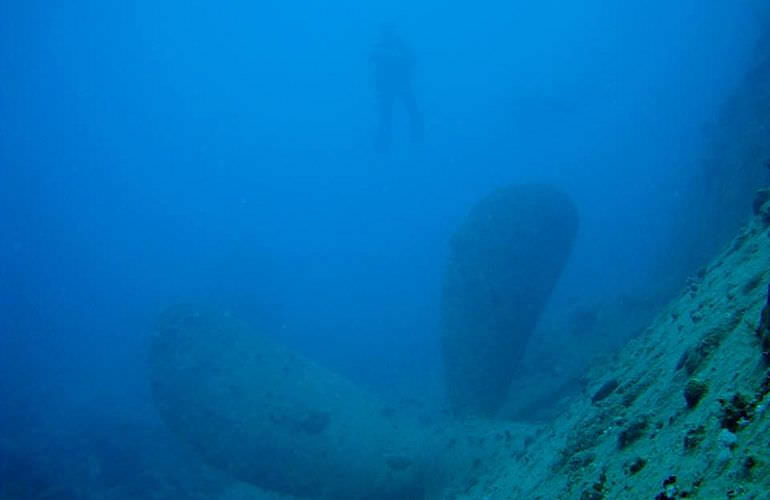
(727, 439)
(761, 197)
(635, 466)
(632, 432)
(605, 390)
(694, 390)
(693, 437)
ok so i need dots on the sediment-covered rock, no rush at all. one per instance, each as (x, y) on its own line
(505, 260)
(271, 418)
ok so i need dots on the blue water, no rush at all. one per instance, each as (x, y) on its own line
(156, 152)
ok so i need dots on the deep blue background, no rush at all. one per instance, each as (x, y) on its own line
(160, 151)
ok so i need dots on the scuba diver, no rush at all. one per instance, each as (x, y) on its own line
(393, 62)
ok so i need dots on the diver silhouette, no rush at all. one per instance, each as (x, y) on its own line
(394, 62)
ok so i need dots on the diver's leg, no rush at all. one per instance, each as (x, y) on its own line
(385, 123)
(416, 126)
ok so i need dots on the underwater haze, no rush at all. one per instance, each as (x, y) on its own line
(232, 154)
